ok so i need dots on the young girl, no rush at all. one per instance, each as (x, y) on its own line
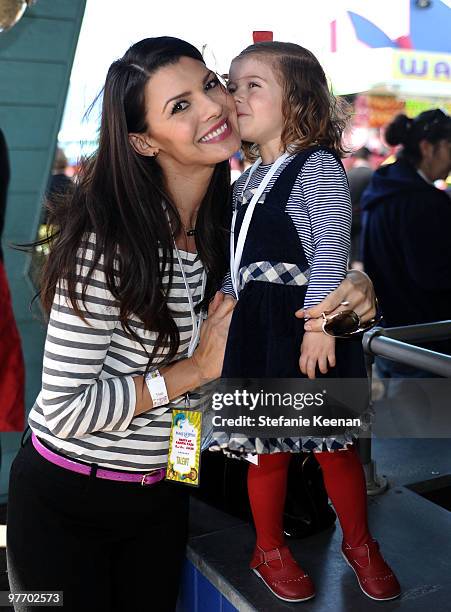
(288, 254)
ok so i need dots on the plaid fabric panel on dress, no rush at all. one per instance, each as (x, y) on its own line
(273, 272)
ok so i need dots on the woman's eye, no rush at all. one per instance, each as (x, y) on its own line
(252, 84)
(231, 88)
(212, 84)
(179, 106)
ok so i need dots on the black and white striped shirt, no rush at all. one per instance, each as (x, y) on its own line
(86, 405)
(320, 208)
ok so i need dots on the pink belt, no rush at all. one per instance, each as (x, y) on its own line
(74, 466)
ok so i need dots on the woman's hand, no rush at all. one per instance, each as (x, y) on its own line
(316, 350)
(209, 355)
(203, 366)
(356, 288)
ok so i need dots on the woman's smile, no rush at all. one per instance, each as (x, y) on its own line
(220, 131)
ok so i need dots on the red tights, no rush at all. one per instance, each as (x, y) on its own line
(345, 484)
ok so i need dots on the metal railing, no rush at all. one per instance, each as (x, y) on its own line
(395, 343)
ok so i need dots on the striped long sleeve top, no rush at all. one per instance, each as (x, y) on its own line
(320, 208)
(86, 405)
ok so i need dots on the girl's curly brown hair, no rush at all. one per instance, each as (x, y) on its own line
(312, 114)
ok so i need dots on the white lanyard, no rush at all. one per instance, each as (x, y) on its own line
(235, 256)
(196, 319)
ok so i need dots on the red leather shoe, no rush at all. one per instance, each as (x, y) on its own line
(282, 575)
(376, 579)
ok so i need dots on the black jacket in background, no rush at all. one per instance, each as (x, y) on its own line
(4, 181)
(406, 246)
(358, 179)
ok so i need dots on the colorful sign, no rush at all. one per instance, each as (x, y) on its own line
(415, 107)
(427, 29)
(421, 65)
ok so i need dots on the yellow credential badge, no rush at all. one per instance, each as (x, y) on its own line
(184, 447)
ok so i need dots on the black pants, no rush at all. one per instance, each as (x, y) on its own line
(109, 546)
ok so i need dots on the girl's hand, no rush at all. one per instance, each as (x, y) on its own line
(356, 289)
(316, 350)
(209, 355)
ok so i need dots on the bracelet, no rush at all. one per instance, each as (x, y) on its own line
(157, 389)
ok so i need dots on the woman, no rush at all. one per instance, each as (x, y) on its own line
(406, 221)
(141, 248)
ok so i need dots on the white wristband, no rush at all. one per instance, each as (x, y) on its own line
(157, 389)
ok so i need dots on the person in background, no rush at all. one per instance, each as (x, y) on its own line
(4, 182)
(359, 176)
(59, 183)
(406, 242)
(12, 374)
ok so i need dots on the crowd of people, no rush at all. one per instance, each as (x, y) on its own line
(161, 279)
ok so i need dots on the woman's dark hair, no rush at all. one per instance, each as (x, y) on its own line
(119, 197)
(312, 114)
(432, 125)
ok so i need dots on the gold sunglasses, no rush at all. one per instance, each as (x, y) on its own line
(347, 323)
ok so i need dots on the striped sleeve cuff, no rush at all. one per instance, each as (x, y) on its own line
(227, 286)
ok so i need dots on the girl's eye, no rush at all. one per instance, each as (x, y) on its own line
(212, 84)
(252, 84)
(179, 106)
(231, 88)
